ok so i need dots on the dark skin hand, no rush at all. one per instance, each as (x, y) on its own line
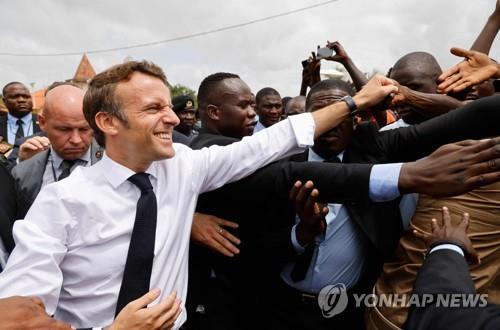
(429, 104)
(310, 73)
(453, 169)
(27, 313)
(446, 231)
(311, 213)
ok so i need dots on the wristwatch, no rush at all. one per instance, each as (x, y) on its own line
(353, 108)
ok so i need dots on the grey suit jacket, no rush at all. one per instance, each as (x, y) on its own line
(28, 176)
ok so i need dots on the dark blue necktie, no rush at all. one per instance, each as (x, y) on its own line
(139, 264)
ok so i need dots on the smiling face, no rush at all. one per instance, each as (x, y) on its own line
(270, 109)
(18, 100)
(147, 134)
(335, 140)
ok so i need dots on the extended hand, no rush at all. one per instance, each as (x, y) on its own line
(453, 169)
(448, 232)
(375, 91)
(208, 230)
(311, 213)
(474, 69)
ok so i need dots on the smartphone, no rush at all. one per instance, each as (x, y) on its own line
(324, 52)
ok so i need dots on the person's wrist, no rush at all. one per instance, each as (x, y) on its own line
(305, 234)
(408, 178)
(361, 101)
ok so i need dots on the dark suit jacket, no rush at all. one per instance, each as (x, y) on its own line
(3, 125)
(381, 222)
(446, 271)
(8, 207)
(28, 176)
(260, 204)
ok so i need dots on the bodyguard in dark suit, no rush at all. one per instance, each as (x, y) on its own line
(445, 271)
(19, 122)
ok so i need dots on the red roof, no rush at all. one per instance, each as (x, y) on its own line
(85, 70)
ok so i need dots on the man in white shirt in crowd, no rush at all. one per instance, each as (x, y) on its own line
(87, 245)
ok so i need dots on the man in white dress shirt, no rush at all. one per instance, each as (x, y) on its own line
(71, 249)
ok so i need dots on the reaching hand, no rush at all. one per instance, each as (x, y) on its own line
(476, 68)
(375, 91)
(453, 169)
(448, 232)
(311, 70)
(208, 230)
(136, 315)
(311, 213)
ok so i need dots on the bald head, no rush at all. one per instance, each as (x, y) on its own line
(63, 121)
(418, 71)
(64, 100)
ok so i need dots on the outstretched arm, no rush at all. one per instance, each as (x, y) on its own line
(489, 32)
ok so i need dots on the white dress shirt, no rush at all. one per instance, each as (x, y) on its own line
(72, 246)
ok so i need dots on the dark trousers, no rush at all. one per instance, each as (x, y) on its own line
(291, 310)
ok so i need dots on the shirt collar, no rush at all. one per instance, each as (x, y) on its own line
(116, 173)
(314, 157)
(26, 118)
(57, 160)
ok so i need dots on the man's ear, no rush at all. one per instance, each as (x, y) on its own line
(107, 123)
(213, 112)
(42, 122)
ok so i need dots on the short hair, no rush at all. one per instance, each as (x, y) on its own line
(10, 84)
(100, 95)
(329, 84)
(264, 92)
(419, 61)
(208, 85)
(60, 83)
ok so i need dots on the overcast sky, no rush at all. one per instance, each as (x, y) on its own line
(375, 33)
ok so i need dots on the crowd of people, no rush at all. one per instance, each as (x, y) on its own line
(124, 208)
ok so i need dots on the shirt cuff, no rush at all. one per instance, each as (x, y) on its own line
(384, 180)
(298, 248)
(447, 247)
(303, 127)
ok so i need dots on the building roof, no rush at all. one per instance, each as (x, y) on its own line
(85, 70)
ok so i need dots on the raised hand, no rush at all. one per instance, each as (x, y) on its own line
(311, 213)
(32, 146)
(340, 53)
(476, 68)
